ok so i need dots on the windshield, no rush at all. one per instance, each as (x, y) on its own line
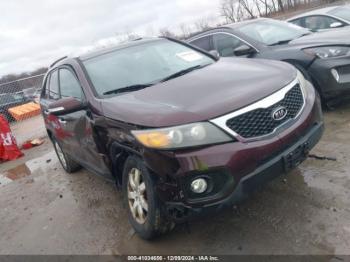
(342, 12)
(270, 32)
(143, 64)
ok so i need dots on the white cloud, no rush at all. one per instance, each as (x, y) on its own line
(34, 33)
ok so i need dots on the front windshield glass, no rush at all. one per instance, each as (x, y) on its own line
(270, 32)
(342, 12)
(142, 64)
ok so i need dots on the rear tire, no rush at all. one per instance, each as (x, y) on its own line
(143, 206)
(68, 164)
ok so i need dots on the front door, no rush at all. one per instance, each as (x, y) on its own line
(78, 126)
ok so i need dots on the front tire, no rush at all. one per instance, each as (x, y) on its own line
(143, 206)
(68, 164)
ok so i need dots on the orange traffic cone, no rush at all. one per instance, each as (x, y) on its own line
(8, 146)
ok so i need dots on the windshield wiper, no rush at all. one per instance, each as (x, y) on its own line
(281, 42)
(141, 86)
(181, 72)
(127, 89)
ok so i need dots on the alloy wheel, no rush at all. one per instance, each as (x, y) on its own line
(137, 196)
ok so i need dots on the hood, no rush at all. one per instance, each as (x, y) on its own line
(331, 37)
(220, 88)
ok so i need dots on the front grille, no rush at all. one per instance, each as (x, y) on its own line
(259, 122)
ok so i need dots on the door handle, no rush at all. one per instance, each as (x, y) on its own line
(62, 121)
(52, 110)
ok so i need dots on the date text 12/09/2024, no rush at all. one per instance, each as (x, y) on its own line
(173, 258)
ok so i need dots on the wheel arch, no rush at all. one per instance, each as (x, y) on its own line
(118, 154)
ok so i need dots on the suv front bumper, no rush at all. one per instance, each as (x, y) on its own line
(179, 212)
(234, 169)
(332, 88)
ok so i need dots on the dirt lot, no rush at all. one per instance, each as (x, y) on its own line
(45, 211)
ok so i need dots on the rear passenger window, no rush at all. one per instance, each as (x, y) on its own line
(53, 88)
(226, 44)
(69, 85)
(203, 43)
(319, 22)
(298, 22)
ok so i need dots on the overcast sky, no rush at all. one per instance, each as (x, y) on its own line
(33, 33)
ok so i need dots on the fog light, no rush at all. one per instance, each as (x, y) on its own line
(199, 185)
(335, 74)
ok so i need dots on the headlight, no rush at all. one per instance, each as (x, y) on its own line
(328, 51)
(189, 135)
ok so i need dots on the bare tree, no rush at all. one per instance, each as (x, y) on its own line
(185, 31)
(280, 5)
(202, 24)
(258, 7)
(164, 31)
(228, 9)
(248, 7)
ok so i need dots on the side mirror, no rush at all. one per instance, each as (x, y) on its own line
(65, 106)
(244, 50)
(215, 53)
(336, 24)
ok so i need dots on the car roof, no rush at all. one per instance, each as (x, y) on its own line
(123, 45)
(320, 11)
(228, 26)
(245, 22)
(101, 51)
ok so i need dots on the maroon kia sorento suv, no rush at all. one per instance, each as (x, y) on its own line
(181, 131)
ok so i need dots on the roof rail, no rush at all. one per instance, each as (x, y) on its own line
(57, 61)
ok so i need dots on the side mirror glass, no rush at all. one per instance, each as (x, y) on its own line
(243, 50)
(65, 106)
(215, 53)
(336, 24)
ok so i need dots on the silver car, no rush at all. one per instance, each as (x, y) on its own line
(323, 19)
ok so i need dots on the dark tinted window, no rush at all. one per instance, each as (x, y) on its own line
(53, 89)
(69, 85)
(298, 22)
(203, 42)
(226, 44)
(319, 22)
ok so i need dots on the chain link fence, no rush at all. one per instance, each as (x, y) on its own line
(19, 99)
(19, 104)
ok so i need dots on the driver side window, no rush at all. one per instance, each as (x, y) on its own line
(69, 85)
(226, 44)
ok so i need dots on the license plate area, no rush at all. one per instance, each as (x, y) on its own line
(296, 156)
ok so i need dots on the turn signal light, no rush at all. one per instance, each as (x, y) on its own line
(154, 139)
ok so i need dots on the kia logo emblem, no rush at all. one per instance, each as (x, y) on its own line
(279, 113)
